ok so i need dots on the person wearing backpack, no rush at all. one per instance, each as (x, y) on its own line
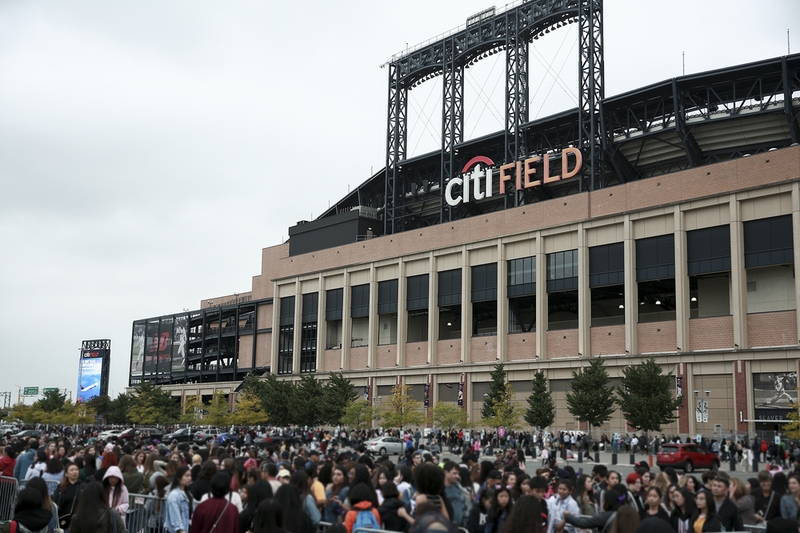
(362, 515)
(29, 516)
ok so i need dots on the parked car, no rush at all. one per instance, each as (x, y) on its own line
(687, 457)
(109, 434)
(386, 445)
(27, 433)
(180, 435)
(204, 435)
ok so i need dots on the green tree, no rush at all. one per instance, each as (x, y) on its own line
(792, 429)
(448, 416)
(153, 405)
(253, 385)
(497, 383)
(51, 401)
(277, 400)
(118, 409)
(306, 406)
(248, 410)
(591, 399)
(506, 411)
(22, 412)
(192, 410)
(645, 397)
(541, 410)
(359, 415)
(99, 404)
(403, 410)
(219, 412)
(338, 394)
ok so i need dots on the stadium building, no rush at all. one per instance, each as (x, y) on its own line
(661, 222)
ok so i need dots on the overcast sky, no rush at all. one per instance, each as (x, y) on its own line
(149, 150)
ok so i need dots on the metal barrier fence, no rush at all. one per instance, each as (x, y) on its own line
(146, 514)
(9, 488)
(52, 486)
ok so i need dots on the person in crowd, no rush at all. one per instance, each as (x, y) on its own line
(295, 520)
(40, 485)
(156, 507)
(336, 493)
(683, 509)
(54, 471)
(653, 505)
(455, 493)
(705, 517)
(28, 513)
(634, 482)
(689, 482)
(476, 522)
(114, 485)
(584, 496)
(429, 482)
(361, 500)
(269, 518)
(259, 492)
(202, 485)
(725, 508)
(89, 468)
(394, 514)
(525, 516)
(790, 502)
(604, 521)
(93, 515)
(499, 510)
(301, 482)
(179, 502)
(740, 494)
(133, 479)
(67, 495)
(379, 477)
(7, 462)
(25, 459)
(150, 471)
(217, 511)
(38, 467)
(767, 502)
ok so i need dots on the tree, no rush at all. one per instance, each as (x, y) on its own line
(792, 429)
(118, 409)
(506, 411)
(277, 399)
(219, 412)
(337, 396)
(52, 400)
(153, 405)
(75, 413)
(645, 397)
(541, 410)
(248, 410)
(591, 399)
(447, 416)
(192, 410)
(403, 410)
(359, 415)
(306, 405)
(496, 385)
(22, 412)
(99, 404)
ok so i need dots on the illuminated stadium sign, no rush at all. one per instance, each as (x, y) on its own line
(528, 173)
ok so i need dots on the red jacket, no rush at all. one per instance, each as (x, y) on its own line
(350, 517)
(7, 466)
(209, 511)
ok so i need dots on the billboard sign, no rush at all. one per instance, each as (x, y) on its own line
(137, 349)
(773, 393)
(179, 341)
(165, 346)
(30, 391)
(90, 374)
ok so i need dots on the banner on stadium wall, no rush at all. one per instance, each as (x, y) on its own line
(165, 345)
(773, 393)
(179, 341)
(151, 347)
(137, 349)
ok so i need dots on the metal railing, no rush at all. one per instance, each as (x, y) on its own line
(52, 486)
(146, 514)
(9, 488)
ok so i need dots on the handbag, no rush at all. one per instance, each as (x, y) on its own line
(64, 520)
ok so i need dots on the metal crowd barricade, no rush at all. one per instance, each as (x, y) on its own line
(52, 486)
(9, 488)
(146, 514)
(368, 530)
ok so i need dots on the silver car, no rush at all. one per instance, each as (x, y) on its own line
(386, 445)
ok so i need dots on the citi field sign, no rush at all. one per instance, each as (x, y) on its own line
(477, 175)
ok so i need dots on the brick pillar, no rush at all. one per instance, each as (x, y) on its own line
(741, 395)
(684, 410)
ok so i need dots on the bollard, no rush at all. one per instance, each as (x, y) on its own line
(755, 464)
(650, 460)
(564, 453)
(597, 457)
(613, 458)
(633, 459)
(580, 456)
(733, 462)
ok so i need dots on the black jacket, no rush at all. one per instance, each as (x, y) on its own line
(729, 516)
(767, 506)
(388, 511)
(711, 525)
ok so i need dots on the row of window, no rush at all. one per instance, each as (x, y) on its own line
(768, 250)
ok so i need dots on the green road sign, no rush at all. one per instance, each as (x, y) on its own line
(30, 391)
(50, 389)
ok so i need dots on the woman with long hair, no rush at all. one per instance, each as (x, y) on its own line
(300, 481)
(790, 502)
(28, 512)
(54, 471)
(109, 460)
(216, 510)
(380, 476)
(134, 480)
(89, 468)
(268, 518)
(683, 508)
(155, 507)
(93, 514)
(202, 485)
(498, 512)
(179, 502)
(653, 505)
(259, 492)
(295, 520)
(690, 483)
(626, 521)
(40, 485)
(39, 465)
(584, 495)
(525, 517)
(150, 471)
(114, 484)
(68, 495)
(705, 517)
(139, 458)
(740, 494)
(336, 494)
(603, 521)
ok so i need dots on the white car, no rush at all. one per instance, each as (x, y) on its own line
(386, 445)
(108, 434)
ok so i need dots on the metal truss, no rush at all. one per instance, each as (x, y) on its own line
(516, 94)
(97, 344)
(590, 52)
(396, 140)
(452, 118)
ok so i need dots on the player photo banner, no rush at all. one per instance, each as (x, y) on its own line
(137, 350)
(165, 345)
(179, 343)
(774, 391)
(151, 347)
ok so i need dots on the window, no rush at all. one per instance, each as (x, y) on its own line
(655, 277)
(769, 260)
(709, 265)
(484, 300)
(607, 284)
(417, 308)
(334, 304)
(387, 312)
(308, 337)
(450, 304)
(522, 295)
(359, 312)
(562, 290)
(286, 335)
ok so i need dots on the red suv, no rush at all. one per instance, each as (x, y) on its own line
(687, 457)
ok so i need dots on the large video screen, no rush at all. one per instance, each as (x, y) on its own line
(137, 350)
(90, 374)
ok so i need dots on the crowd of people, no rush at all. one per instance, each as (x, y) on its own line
(294, 485)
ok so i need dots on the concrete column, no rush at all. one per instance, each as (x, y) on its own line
(298, 327)
(372, 341)
(402, 313)
(466, 302)
(433, 308)
(276, 328)
(584, 296)
(502, 302)
(541, 297)
(738, 277)
(347, 322)
(322, 324)
(631, 289)
(681, 283)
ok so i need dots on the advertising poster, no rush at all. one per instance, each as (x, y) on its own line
(90, 372)
(179, 340)
(151, 348)
(165, 346)
(773, 393)
(137, 350)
